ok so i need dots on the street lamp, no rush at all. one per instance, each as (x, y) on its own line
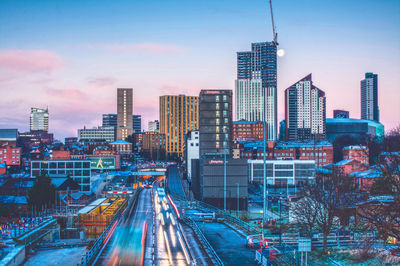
(237, 195)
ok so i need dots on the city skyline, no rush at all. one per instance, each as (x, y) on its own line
(46, 62)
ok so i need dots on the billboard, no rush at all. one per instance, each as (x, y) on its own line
(102, 163)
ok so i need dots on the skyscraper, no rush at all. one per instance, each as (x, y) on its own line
(178, 115)
(39, 119)
(305, 111)
(369, 97)
(256, 74)
(124, 113)
(215, 121)
(137, 123)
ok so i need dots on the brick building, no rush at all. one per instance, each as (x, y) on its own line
(154, 146)
(356, 152)
(321, 152)
(10, 155)
(248, 130)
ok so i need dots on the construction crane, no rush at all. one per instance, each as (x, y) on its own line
(273, 24)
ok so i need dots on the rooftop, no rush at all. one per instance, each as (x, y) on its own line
(120, 142)
(344, 162)
(289, 144)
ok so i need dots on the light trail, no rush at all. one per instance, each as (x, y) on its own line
(172, 233)
(168, 248)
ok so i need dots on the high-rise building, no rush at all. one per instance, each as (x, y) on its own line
(215, 121)
(178, 115)
(39, 119)
(109, 120)
(305, 111)
(124, 113)
(369, 97)
(256, 76)
(137, 123)
(249, 99)
(153, 125)
(341, 114)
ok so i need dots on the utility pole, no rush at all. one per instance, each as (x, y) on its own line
(237, 193)
(224, 177)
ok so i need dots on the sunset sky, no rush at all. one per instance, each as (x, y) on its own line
(72, 55)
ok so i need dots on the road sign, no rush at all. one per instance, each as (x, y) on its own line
(304, 245)
(101, 162)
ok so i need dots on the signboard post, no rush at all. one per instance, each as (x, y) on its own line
(304, 245)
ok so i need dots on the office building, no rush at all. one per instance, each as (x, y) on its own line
(178, 115)
(341, 114)
(122, 147)
(99, 133)
(256, 76)
(137, 123)
(208, 181)
(350, 127)
(305, 111)
(215, 121)
(109, 120)
(8, 135)
(284, 177)
(369, 97)
(69, 141)
(153, 146)
(191, 150)
(124, 113)
(248, 130)
(78, 170)
(153, 125)
(39, 119)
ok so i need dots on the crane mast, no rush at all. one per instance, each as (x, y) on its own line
(273, 24)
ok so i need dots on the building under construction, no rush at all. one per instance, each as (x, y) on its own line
(95, 217)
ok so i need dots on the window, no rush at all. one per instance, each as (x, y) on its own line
(191, 144)
(197, 144)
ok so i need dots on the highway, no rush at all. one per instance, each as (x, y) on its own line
(171, 248)
(126, 246)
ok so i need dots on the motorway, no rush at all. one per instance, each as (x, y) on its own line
(132, 238)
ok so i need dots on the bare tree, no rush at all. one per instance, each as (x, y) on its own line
(304, 213)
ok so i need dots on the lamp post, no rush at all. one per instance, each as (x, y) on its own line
(264, 161)
(237, 194)
(224, 178)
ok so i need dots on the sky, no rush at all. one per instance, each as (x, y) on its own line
(71, 56)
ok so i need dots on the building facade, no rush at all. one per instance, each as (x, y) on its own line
(191, 150)
(357, 152)
(78, 170)
(10, 155)
(248, 130)
(39, 119)
(249, 99)
(99, 133)
(215, 121)
(305, 111)
(109, 120)
(153, 146)
(121, 147)
(253, 67)
(285, 177)
(179, 114)
(124, 113)
(341, 114)
(320, 152)
(358, 128)
(153, 125)
(369, 97)
(137, 123)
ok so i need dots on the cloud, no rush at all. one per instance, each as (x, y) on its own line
(30, 61)
(151, 48)
(69, 93)
(102, 81)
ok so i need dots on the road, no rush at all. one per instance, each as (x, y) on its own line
(171, 248)
(126, 246)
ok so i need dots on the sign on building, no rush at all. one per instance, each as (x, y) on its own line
(102, 163)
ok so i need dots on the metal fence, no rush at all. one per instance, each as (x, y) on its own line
(207, 246)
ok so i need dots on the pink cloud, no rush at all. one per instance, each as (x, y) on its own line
(102, 81)
(69, 93)
(152, 48)
(30, 61)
